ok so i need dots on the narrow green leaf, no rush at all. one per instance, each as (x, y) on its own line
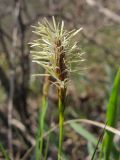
(111, 117)
(83, 132)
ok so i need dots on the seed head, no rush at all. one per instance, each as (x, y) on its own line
(56, 50)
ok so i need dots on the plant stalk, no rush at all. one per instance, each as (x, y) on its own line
(39, 141)
(42, 117)
(61, 104)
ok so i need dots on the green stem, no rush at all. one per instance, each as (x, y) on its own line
(43, 112)
(40, 132)
(39, 140)
(46, 148)
(61, 121)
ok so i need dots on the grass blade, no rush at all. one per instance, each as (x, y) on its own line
(111, 117)
(99, 140)
(83, 132)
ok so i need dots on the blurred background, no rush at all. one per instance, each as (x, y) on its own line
(88, 93)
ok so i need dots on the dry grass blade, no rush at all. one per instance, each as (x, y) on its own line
(97, 124)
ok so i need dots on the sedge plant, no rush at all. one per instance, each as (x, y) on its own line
(58, 53)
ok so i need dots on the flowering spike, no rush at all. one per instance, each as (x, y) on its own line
(56, 51)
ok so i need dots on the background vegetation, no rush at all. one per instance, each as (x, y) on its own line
(88, 93)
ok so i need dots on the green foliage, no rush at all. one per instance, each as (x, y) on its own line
(5, 154)
(40, 132)
(84, 133)
(111, 117)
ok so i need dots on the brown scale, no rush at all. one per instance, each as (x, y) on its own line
(60, 60)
